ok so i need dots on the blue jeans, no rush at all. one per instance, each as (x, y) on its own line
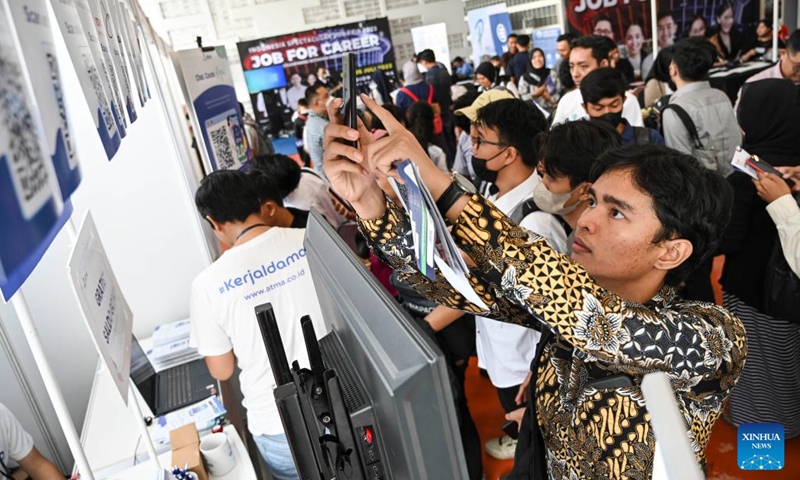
(275, 451)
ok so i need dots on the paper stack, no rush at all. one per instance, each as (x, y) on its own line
(171, 345)
(204, 415)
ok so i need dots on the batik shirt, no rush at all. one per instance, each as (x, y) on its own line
(588, 433)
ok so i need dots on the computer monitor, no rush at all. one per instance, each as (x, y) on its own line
(402, 370)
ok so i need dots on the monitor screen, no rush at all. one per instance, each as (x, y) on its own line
(265, 78)
(142, 372)
(403, 371)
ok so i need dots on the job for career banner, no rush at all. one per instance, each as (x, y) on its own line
(29, 216)
(208, 81)
(114, 40)
(31, 28)
(481, 34)
(105, 310)
(290, 62)
(88, 74)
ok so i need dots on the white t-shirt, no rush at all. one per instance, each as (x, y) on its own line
(438, 157)
(312, 193)
(269, 268)
(15, 442)
(505, 350)
(570, 108)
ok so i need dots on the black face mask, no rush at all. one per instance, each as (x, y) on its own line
(482, 171)
(613, 118)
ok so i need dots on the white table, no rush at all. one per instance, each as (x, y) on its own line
(110, 435)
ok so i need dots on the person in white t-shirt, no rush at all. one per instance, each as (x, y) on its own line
(17, 445)
(587, 54)
(264, 264)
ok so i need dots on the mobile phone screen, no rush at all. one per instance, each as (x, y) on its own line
(349, 92)
(765, 167)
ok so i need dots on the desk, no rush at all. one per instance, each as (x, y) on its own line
(110, 434)
(731, 80)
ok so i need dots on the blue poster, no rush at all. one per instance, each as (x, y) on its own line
(501, 28)
(547, 40)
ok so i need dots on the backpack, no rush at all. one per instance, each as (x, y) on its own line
(653, 118)
(709, 156)
(529, 206)
(438, 124)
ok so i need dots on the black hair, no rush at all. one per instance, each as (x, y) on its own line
(660, 69)
(694, 57)
(569, 149)
(724, 6)
(604, 18)
(596, 43)
(420, 122)
(793, 42)
(241, 108)
(523, 40)
(767, 23)
(226, 196)
(603, 83)
(517, 123)
(565, 77)
(691, 201)
(462, 121)
(664, 14)
(512, 35)
(397, 113)
(283, 176)
(610, 45)
(569, 37)
(302, 102)
(697, 17)
(458, 59)
(312, 92)
(426, 55)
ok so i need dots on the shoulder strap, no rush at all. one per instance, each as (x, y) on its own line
(408, 92)
(641, 135)
(529, 206)
(687, 123)
(430, 93)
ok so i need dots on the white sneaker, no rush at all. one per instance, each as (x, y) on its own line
(501, 448)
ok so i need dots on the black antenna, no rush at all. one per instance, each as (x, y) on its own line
(272, 340)
(201, 47)
(312, 347)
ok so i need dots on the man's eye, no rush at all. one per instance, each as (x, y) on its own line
(616, 214)
(592, 202)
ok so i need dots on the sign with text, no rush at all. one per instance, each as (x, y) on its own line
(207, 76)
(123, 23)
(760, 446)
(433, 37)
(107, 315)
(30, 212)
(31, 27)
(481, 34)
(89, 74)
(108, 14)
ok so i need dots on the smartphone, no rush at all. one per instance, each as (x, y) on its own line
(511, 429)
(350, 94)
(760, 165)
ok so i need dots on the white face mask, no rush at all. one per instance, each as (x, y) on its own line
(553, 202)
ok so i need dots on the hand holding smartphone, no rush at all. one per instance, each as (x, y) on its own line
(350, 96)
(760, 165)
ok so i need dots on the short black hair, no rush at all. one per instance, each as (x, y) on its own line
(569, 149)
(604, 18)
(793, 42)
(517, 123)
(596, 43)
(312, 92)
(724, 6)
(565, 76)
(283, 176)
(523, 40)
(691, 201)
(664, 14)
(226, 196)
(241, 108)
(569, 37)
(458, 59)
(693, 57)
(605, 82)
(420, 122)
(397, 113)
(302, 102)
(512, 35)
(426, 55)
(462, 121)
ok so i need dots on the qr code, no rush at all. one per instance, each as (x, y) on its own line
(221, 146)
(105, 111)
(26, 159)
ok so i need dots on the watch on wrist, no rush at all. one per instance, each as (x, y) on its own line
(460, 186)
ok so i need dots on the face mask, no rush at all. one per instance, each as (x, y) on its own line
(614, 118)
(553, 202)
(482, 171)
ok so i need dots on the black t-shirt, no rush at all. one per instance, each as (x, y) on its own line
(300, 217)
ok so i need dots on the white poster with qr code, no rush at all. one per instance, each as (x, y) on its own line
(29, 209)
(215, 109)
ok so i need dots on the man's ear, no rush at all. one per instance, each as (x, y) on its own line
(268, 209)
(214, 224)
(511, 155)
(674, 253)
(604, 62)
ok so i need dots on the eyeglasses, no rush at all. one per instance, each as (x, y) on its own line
(478, 141)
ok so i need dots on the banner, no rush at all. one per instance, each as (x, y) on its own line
(29, 209)
(207, 76)
(31, 27)
(279, 69)
(105, 310)
(547, 40)
(99, 103)
(123, 26)
(96, 19)
(501, 28)
(480, 34)
(114, 40)
(433, 37)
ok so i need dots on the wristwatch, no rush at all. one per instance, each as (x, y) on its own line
(458, 187)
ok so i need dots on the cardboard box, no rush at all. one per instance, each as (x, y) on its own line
(185, 445)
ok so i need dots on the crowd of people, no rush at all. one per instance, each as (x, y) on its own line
(590, 219)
